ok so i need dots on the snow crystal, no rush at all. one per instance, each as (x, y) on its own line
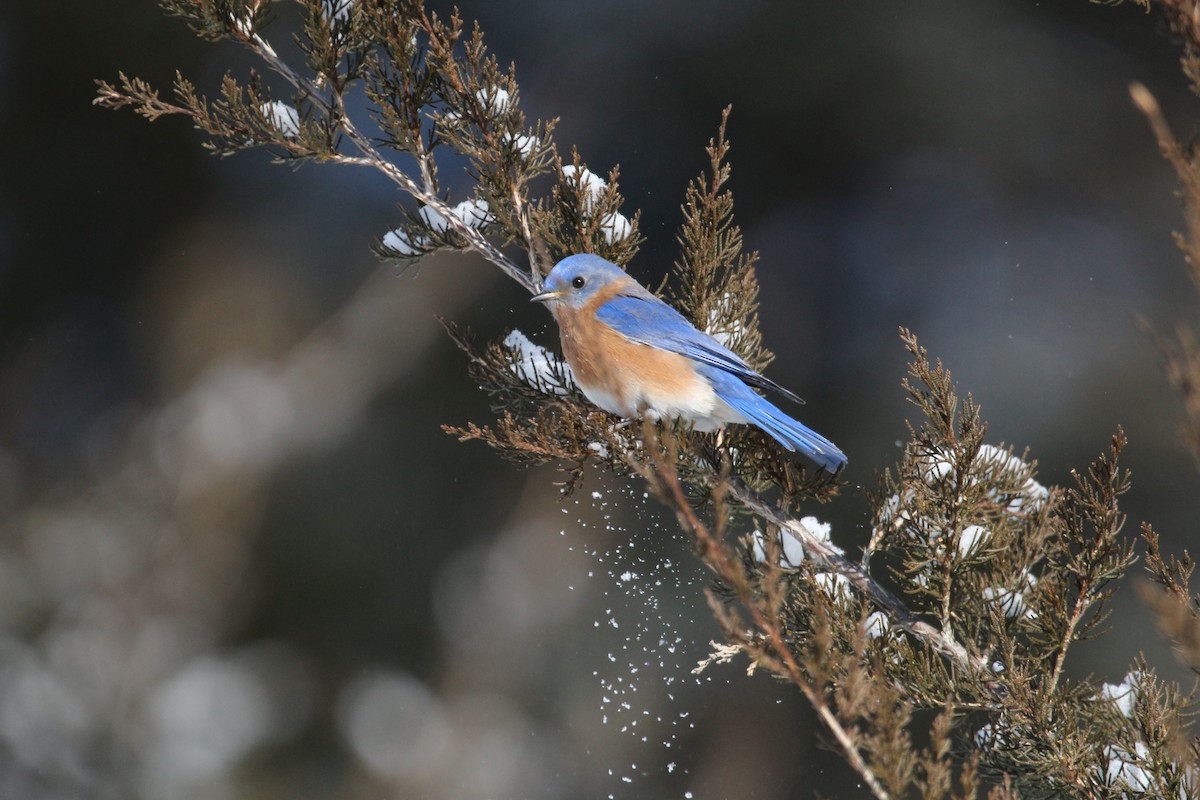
(718, 325)
(649, 651)
(877, 625)
(283, 117)
(834, 584)
(400, 241)
(792, 546)
(474, 212)
(1123, 694)
(895, 512)
(1032, 494)
(337, 10)
(495, 101)
(433, 219)
(972, 538)
(537, 366)
(987, 737)
(1012, 601)
(936, 466)
(791, 550)
(995, 457)
(615, 227)
(525, 145)
(819, 529)
(1123, 768)
(592, 184)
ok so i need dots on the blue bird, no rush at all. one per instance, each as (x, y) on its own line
(633, 354)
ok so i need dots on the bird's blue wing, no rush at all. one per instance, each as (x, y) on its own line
(650, 321)
(791, 433)
(647, 320)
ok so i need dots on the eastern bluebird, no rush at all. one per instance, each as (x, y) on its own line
(632, 354)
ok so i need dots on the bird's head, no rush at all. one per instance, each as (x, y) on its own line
(576, 279)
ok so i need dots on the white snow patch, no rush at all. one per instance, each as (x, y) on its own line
(1123, 694)
(537, 366)
(284, 118)
(495, 100)
(616, 227)
(337, 10)
(834, 584)
(403, 243)
(972, 538)
(525, 144)
(592, 184)
(475, 212)
(1124, 769)
(877, 626)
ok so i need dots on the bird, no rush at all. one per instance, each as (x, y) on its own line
(633, 354)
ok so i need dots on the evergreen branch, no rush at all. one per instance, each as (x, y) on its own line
(223, 20)
(716, 286)
(371, 157)
(1176, 608)
(1097, 558)
(1181, 356)
(1186, 168)
(861, 579)
(663, 479)
(1181, 364)
(137, 93)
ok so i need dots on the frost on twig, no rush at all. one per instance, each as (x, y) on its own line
(721, 654)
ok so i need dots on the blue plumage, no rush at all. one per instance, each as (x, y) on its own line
(720, 381)
(648, 320)
(791, 433)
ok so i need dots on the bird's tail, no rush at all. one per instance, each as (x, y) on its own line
(791, 433)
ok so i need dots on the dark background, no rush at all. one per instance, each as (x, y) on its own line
(239, 557)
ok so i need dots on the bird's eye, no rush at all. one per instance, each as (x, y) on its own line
(578, 281)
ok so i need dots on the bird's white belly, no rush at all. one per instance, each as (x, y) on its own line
(698, 405)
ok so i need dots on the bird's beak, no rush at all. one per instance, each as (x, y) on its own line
(544, 296)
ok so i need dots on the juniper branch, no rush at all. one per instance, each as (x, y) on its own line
(663, 478)
(371, 157)
(861, 579)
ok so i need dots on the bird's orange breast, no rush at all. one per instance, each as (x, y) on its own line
(623, 376)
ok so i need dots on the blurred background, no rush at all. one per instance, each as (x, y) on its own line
(239, 558)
